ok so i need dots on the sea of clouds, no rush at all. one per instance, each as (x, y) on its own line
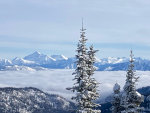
(56, 81)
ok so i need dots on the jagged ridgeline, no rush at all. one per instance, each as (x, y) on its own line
(39, 61)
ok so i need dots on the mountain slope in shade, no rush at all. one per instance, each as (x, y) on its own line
(21, 61)
(32, 100)
(5, 62)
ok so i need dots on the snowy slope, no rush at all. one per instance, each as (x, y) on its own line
(39, 58)
(112, 60)
(21, 61)
(32, 100)
(59, 57)
(5, 62)
(18, 68)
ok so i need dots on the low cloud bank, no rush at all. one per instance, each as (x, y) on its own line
(56, 81)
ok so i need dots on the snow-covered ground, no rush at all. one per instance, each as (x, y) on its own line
(56, 81)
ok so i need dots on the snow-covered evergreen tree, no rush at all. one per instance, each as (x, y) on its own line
(147, 108)
(85, 86)
(92, 83)
(131, 99)
(116, 99)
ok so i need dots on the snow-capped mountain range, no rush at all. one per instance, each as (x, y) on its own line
(38, 61)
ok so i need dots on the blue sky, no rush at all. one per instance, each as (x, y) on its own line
(53, 27)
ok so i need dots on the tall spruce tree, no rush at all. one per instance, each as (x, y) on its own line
(85, 86)
(131, 99)
(116, 99)
(92, 83)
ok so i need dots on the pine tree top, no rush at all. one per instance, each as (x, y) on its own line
(116, 87)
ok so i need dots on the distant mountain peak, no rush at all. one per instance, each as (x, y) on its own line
(16, 58)
(39, 58)
(36, 52)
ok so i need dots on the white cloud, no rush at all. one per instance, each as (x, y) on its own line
(56, 81)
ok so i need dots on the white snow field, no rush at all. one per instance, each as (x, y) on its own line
(56, 81)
